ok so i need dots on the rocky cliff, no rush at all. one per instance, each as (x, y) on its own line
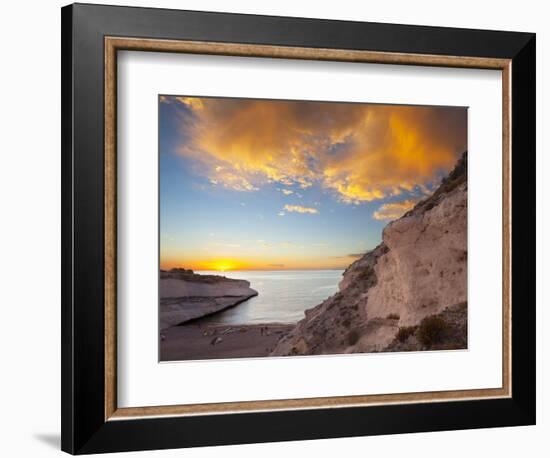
(409, 293)
(185, 296)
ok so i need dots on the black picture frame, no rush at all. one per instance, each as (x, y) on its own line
(84, 428)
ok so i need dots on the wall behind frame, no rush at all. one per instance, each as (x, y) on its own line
(30, 228)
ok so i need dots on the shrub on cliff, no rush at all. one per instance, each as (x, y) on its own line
(431, 330)
(405, 332)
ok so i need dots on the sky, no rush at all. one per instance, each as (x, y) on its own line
(252, 184)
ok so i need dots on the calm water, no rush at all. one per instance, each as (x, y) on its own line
(282, 295)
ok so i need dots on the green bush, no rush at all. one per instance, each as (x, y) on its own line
(431, 330)
(405, 332)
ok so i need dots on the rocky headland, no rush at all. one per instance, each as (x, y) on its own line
(407, 294)
(187, 296)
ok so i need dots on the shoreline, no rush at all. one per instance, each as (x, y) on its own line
(202, 341)
(215, 312)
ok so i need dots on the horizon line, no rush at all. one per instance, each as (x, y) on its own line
(256, 270)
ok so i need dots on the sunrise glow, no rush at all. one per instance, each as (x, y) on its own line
(224, 265)
(252, 184)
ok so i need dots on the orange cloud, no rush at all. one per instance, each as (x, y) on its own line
(360, 152)
(393, 210)
(300, 209)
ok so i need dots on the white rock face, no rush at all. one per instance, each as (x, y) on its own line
(173, 287)
(425, 269)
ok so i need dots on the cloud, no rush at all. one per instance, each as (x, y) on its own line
(352, 256)
(358, 152)
(286, 192)
(283, 244)
(227, 245)
(394, 210)
(300, 209)
(265, 244)
(232, 180)
(191, 102)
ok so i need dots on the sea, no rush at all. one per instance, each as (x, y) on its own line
(283, 295)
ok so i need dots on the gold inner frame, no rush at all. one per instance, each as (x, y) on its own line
(114, 44)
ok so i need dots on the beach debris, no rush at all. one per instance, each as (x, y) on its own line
(216, 340)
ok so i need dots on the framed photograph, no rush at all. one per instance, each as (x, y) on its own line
(270, 222)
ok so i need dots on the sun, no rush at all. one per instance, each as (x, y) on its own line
(220, 265)
(224, 265)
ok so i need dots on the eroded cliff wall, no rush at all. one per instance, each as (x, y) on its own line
(417, 272)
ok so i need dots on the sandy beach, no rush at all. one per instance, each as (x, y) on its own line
(196, 341)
